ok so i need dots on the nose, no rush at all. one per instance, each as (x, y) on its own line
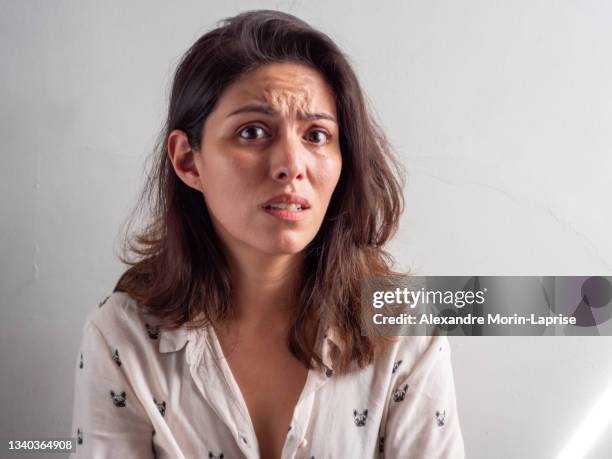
(287, 159)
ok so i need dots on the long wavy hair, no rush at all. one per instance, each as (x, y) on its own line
(177, 269)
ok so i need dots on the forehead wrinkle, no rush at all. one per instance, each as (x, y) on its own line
(288, 99)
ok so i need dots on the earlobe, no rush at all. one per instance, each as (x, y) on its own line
(182, 158)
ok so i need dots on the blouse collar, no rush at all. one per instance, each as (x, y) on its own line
(175, 340)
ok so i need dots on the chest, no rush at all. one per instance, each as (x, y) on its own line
(270, 381)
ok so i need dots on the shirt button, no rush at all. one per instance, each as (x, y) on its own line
(303, 443)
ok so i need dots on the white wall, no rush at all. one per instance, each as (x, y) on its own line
(501, 112)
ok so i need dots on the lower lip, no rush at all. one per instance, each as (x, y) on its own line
(286, 214)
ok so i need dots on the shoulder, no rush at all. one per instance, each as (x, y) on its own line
(117, 310)
(411, 356)
(118, 319)
(419, 347)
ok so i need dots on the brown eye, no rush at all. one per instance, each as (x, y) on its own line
(252, 133)
(318, 136)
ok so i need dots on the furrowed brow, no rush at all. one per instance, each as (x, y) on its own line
(317, 116)
(267, 110)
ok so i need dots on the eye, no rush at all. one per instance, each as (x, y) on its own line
(252, 132)
(318, 136)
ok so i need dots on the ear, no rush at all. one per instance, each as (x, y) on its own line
(365, 413)
(112, 393)
(182, 157)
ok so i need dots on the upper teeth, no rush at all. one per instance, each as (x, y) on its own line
(287, 206)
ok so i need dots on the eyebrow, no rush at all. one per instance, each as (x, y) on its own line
(267, 110)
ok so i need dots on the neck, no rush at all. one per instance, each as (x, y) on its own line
(264, 288)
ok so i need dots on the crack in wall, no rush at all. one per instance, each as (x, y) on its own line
(589, 246)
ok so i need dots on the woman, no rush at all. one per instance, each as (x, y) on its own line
(236, 332)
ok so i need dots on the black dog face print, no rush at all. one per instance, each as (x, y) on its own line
(360, 418)
(116, 357)
(118, 399)
(440, 417)
(396, 366)
(152, 331)
(79, 436)
(103, 301)
(212, 456)
(381, 445)
(161, 406)
(400, 393)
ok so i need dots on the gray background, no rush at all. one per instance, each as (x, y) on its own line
(501, 112)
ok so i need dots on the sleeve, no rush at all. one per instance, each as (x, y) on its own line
(422, 419)
(108, 419)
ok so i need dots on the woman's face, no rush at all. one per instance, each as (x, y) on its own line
(270, 158)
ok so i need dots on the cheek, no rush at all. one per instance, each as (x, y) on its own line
(328, 174)
(218, 166)
(227, 179)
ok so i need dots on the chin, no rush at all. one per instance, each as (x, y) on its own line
(285, 245)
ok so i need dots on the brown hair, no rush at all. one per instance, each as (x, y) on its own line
(181, 271)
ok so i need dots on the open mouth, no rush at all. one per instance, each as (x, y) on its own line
(293, 207)
(289, 207)
(288, 212)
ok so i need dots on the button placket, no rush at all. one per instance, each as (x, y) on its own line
(220, 393)
(246, 432)
(296, 435)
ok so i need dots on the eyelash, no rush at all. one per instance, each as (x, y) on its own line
(327, 134)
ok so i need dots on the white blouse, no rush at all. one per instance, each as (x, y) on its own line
(144, 393)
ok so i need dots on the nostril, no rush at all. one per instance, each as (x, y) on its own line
(288, 175)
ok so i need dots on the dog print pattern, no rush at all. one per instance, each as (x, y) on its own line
(161, 406)
(118, 399)
(400, 393)
(152, 331)
(116, 358)
(103, 302)
(440, 417)
(360, 415)
(360, 418)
